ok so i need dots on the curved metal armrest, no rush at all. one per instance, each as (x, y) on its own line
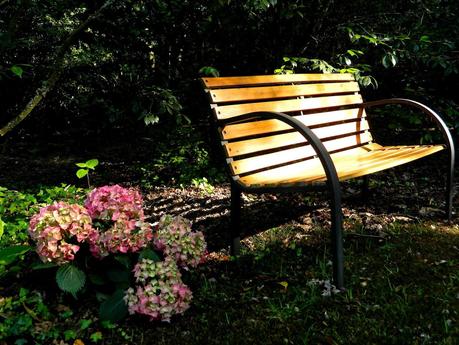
(306, 132)
(446, 134)
(425, 109)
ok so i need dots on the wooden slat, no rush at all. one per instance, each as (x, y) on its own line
(228, 111)
(283, 91)
(276, 141)
(245, 165)
(347, 165)
(274, 79)
(241, 130)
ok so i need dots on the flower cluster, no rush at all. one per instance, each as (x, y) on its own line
(114, 202)
(176, 240)
(118, 212)
(160, 293)
(57, 228)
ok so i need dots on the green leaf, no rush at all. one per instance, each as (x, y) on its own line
(208, 70)
(148, 253)
(108, 324)
(2, 227)
(81, 173)
(96, 336)
(92, 163)
(425, 38)
(70, 334)
(385, 61)
(85, 323)
(81, 165)
(114, 309)
(17, 70)
(9, 254)
(70, 278)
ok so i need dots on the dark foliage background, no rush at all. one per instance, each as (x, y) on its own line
(131, 76)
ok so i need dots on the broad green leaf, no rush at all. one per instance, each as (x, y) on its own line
(9, 254)
(70, 278)
(114, 308)
(81, 165)
(17, 70)
(81, 173)
(92, 163)
(148, 253)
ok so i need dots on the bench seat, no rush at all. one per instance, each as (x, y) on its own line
(349, 164)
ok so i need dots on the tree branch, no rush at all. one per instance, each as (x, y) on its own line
(56, 73)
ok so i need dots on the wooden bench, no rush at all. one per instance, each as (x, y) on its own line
(305, 131)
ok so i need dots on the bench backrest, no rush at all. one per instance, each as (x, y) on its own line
(327, 103)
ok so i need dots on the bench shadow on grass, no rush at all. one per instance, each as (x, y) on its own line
(405, 190)
(212, 216)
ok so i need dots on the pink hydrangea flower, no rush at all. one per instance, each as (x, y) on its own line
(119, 213)
(56, 226)
(113, 202)
(160, 292)
(176, 240)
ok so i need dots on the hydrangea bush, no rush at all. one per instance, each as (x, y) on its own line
(58, 228)
(112, 221)
(160, 292)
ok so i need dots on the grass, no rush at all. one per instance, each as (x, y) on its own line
(402, 289)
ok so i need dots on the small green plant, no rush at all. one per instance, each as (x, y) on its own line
(85, 168)
(203, 185)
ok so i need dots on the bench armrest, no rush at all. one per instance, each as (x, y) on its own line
(307, 133)
(426, 110)
(446, 135)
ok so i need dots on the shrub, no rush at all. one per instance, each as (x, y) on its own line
(120, 241)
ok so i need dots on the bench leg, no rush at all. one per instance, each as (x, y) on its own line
(235, 220)
(337, 236)
(450, 188)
